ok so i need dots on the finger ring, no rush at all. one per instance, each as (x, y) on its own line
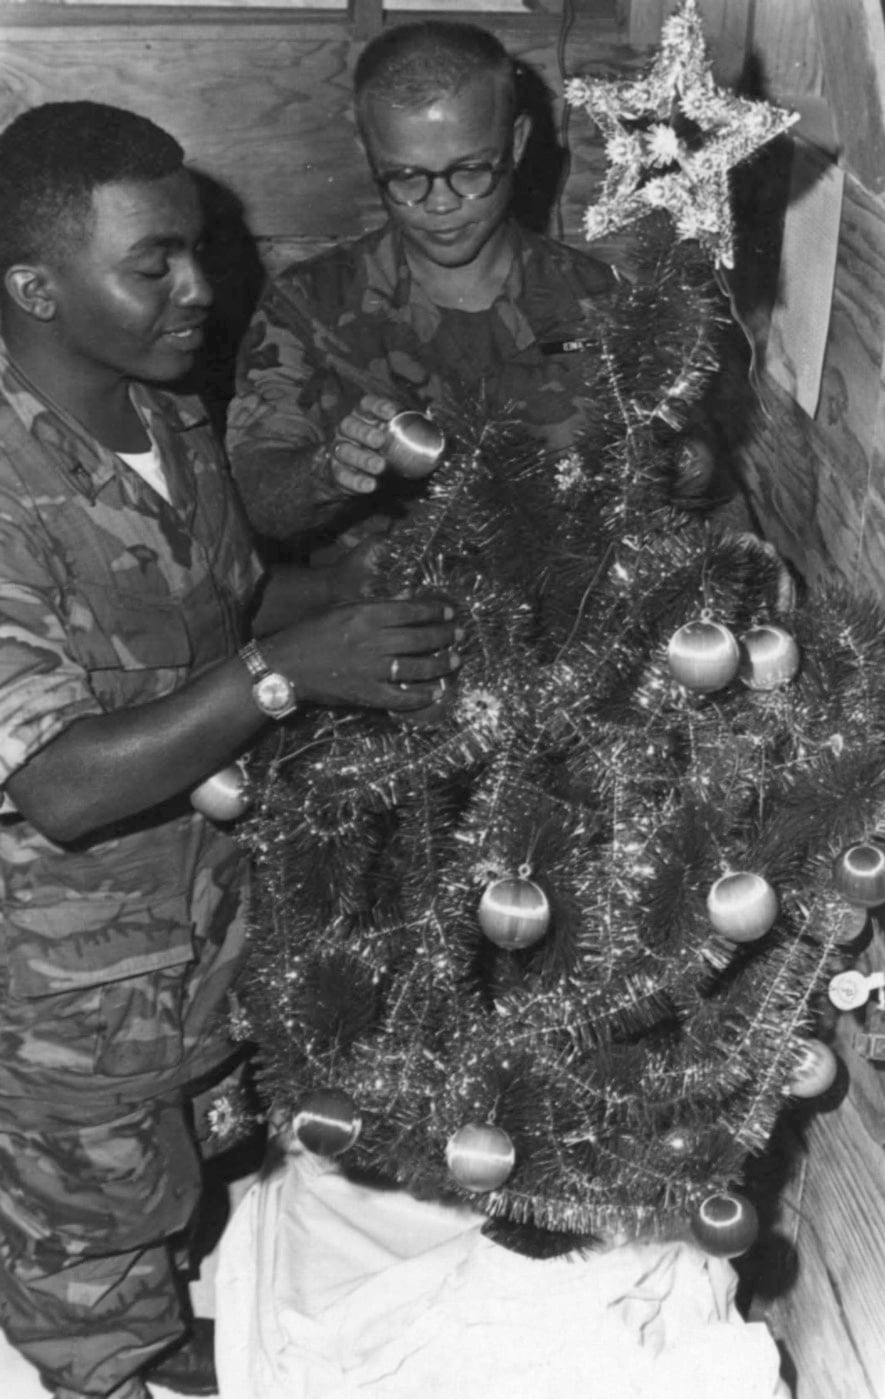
(394, 670)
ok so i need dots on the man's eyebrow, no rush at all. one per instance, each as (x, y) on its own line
(171, 242)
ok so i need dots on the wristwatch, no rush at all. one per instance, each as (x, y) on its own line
(271, 691)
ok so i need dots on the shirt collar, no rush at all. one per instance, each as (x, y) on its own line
(394, 282)
(89, 464)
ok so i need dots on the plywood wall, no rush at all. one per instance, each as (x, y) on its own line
(261, 99)
(818, 485)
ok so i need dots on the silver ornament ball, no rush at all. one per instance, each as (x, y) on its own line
(327, 1122)
(224, 796)
(814, 1072)
(859, 874)
(415, 444)
(480, 1156)
(703, 656)
(742, 906)
(514, 912)
(851, 921)
(725, 1224)
(769, 657)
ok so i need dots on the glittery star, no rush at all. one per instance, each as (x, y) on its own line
(671, 139)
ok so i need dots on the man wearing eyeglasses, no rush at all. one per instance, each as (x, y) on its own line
(450, 299)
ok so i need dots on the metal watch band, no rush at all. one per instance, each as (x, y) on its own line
(254, 661)
(273, 693)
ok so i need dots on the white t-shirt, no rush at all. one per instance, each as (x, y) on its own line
(150, 469)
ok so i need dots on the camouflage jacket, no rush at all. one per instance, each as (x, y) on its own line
(115, 953)
(329, 329)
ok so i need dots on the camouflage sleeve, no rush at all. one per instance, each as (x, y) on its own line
(42, 688)
(272, 436)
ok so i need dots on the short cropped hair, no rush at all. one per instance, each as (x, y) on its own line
(410, 65)
(54, 156)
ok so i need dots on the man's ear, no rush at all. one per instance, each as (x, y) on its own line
(32, 291)
(521, 131)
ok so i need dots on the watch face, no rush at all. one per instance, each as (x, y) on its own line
(274, 694)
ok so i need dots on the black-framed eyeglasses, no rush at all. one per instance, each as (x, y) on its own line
(470, 179)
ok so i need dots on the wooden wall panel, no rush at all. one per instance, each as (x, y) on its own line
(263, 104)
(852, 41)
(831, 1210)
(830, 1320)
(785, 44)
(818, 485)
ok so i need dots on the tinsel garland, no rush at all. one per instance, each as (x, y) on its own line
(634, 1056)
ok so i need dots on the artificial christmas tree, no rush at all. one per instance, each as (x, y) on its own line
(589, 902)
(552, 952)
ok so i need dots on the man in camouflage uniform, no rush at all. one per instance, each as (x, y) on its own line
(127, 600)
(450, 297)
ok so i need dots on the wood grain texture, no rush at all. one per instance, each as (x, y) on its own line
(817, 485)
(852, 43)
(829, 1319)
(264, 107)
(786, 48)
(823, 1301)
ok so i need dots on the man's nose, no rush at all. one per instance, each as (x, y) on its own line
(193, 287)
(441, 197)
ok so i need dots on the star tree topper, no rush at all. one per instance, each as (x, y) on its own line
(671, 139)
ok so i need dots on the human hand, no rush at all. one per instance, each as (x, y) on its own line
(355, 459)
(354, 572)
(389, 654)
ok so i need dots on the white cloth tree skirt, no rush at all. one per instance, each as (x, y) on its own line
(331, 1290)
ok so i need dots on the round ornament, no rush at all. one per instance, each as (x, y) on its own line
(814, 1072)
(415, 444)
(725, 1224)
(859, 874)
(742, 906)
(514, 912)
(851, 921)
(703, 655)
(695, 468)
(480, 1156)
(769, 657)
(327, 1123)
(224, 796)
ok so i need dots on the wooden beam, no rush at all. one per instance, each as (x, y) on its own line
(852, 43)
(367, 17)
